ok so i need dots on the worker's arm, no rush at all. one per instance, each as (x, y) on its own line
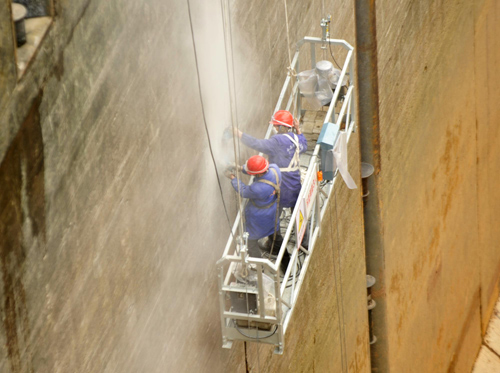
(296, 125)
(266, 146)
(253, 191)
(245, 190)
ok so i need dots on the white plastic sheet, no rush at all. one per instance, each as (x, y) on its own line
(335, 76)
(340, 160)
(315, 89)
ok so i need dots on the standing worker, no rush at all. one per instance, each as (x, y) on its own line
(283, 150)
(261, 212)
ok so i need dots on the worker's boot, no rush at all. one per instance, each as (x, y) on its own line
(285, 261)
(266, 244)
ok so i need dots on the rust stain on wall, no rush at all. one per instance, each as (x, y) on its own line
(450, 162)
(434, 278)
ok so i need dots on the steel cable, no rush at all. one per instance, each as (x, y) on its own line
(205, 119)
(226, 18)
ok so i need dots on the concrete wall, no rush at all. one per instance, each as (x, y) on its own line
(112, 219)
(438, 88)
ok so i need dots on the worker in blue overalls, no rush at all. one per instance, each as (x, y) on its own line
(261, 212)
(283, 149)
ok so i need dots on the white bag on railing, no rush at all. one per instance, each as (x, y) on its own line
(340, 160)
(308, 80)
(315, 88)
(324, 92)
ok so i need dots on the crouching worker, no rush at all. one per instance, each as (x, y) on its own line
(261, 212)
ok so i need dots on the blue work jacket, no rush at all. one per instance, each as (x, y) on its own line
(260, 222)
(281, 150)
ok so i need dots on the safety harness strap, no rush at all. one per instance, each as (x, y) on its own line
(295, 161)
(276, 187)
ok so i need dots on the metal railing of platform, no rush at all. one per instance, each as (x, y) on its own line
(271, 299)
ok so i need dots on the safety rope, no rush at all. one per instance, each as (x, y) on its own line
(205, 120)
(238, 144)
(323, 15)
(277, 216)
(290, 70)
(295, 105)
(228, 48)
(232, 101)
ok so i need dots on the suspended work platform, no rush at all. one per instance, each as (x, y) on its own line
(257, 300)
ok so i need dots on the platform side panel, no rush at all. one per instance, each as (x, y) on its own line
(314, 336)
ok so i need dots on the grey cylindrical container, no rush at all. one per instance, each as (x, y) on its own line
(18, 14)
(324, 69)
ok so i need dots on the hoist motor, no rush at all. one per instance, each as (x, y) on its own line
(243, 296)
(242, 293)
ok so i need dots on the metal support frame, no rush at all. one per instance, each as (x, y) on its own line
(285, 299)
(368, 94)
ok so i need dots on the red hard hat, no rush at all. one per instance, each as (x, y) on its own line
(256, 165)
(282, 118)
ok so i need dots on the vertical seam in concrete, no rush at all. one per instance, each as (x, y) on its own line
(477, 168)
(247, 370)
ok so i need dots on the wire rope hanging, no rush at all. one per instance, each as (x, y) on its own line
(205, 119)
(330, 44)
(228, 48)
(291, 69)
(323, 15)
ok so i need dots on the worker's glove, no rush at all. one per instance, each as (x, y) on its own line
(296, 126)
(237, 132)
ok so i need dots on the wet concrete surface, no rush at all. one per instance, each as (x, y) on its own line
(119, 275)
(116, 272)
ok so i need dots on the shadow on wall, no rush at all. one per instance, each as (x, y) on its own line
(22, 223)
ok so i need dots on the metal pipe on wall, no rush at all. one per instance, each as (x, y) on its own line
(368, 111)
